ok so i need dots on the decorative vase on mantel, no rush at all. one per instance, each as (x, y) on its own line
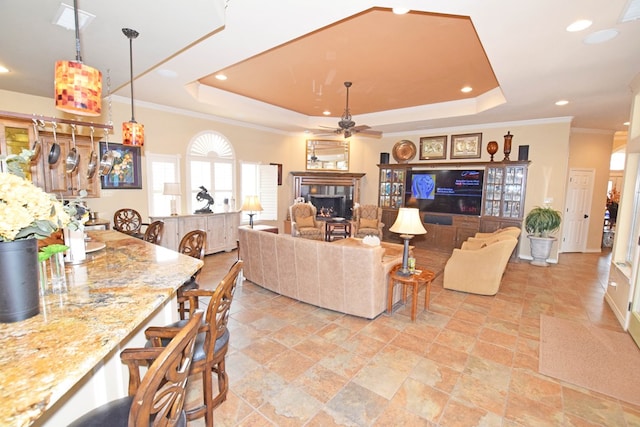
(19, 286)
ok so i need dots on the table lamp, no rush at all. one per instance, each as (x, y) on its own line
(251, 204)
(172, 189)
(408, 224)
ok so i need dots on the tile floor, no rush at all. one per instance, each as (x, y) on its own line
(468, 361)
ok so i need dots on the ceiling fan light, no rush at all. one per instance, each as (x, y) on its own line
(78, 88)
(132, 134)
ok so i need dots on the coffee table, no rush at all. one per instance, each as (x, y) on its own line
(336, 228)
(415, 280)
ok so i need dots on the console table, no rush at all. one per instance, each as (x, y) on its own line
(221, 228)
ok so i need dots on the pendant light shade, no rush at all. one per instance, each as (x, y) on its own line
(132, 131)
(78, 87)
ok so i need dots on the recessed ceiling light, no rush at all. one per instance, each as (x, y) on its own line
(326, 112)
(626, 123)
(221, 77)
(164, 72)
(579, 25)
(3, 69)
(600, 36)
(401, 10)
(562, 102)
(466, 89)
(65, 17)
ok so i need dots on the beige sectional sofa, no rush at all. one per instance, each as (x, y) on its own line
(344, 276)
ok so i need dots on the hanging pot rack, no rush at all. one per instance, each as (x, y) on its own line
(30, 117)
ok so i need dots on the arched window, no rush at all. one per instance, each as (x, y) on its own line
(211, 164)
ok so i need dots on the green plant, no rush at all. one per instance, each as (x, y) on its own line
(541, 222)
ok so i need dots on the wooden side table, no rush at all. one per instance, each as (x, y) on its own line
(334, 228)
(414, 280)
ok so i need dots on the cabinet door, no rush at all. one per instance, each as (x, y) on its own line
(232, 222)
(189, 223)
(215, 234)
(18, 136)
(170, 233)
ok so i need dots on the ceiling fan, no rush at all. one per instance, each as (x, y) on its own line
(347, 127)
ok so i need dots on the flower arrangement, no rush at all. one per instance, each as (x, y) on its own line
(26, 211)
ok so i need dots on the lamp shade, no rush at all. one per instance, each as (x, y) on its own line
(408, 222)
(78, 88)
(132, 134)
(251, 203)
(172, 189)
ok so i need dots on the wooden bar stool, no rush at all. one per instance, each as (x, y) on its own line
(424, 277)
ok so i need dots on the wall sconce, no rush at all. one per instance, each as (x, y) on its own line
(172, 189)
(251, 204)
(132, 131)
(408, 224)
(78, 87)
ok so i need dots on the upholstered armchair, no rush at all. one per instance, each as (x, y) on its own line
(304, 223)
(507, 231)
(367, 221)
(478, 271)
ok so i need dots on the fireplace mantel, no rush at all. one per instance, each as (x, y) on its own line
(316, 183)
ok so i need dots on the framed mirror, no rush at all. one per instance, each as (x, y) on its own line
(327, 155)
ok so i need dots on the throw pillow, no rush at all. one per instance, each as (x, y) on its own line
(368, 223)
(305, 221)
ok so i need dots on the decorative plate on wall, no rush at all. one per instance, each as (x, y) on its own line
(404, 151)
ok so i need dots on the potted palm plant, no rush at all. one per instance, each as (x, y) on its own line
(540, 223)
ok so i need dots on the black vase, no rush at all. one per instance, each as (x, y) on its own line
(19, 294)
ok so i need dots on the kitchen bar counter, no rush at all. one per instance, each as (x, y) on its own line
(109, 297)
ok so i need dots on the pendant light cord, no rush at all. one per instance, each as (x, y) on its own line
(131, 34)
(75, 16)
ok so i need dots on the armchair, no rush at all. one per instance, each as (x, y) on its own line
(478, 271)
(304, 223)
(367, 220)
(508, 231)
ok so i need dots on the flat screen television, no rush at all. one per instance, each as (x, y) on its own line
(452, 191)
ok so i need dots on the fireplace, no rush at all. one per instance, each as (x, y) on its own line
(332, 193)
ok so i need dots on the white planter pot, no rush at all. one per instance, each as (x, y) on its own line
(540, 249)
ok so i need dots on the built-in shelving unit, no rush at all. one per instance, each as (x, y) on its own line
(504, 185)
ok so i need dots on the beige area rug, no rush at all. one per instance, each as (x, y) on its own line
(597, 359)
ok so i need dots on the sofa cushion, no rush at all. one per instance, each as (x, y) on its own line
(368, 223)
(305, 221)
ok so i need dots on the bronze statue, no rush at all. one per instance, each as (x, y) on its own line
(204, 195)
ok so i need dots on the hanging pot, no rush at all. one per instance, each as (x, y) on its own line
(93, 159)
(37, 146)
(73, 158)
(54, 152)
(108, 157)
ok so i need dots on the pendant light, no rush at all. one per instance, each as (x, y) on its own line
(78, 87)
(132, 131)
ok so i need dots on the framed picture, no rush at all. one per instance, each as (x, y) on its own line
(433, 147)
(126, 172)
(466, 146)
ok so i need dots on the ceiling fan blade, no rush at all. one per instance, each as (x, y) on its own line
(359, 128)
(371, 133)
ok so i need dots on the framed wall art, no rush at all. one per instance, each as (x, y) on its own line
(433, 147)
(466, 146)
(126, 171)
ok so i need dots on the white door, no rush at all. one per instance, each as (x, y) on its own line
(577, 211)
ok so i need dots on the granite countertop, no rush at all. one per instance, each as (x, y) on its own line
(108, 297)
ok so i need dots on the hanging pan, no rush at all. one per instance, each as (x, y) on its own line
(106, 162)
(54, 152)
(73, 158)
(93, 159)
(37, 146)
